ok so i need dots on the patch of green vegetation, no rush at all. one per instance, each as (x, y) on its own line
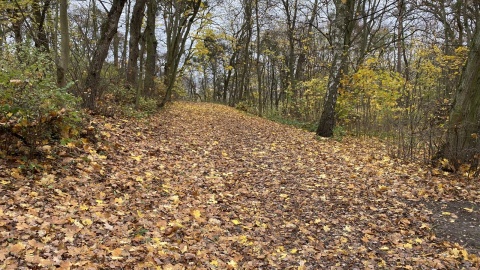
(308, 126)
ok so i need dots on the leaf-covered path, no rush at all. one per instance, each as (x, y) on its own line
(202, 186)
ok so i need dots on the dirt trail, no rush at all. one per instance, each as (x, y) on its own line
(202, 186)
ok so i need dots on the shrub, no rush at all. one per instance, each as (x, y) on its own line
(33, 110)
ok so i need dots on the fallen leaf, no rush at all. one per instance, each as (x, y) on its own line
(116, 254)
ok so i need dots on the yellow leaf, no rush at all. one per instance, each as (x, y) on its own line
(137, 158)
(293, 251)
(418, 240)
(214, 263)
(384, 248)
(407, 245)
(470, 210)
(87, 222)
(382, 188)
(70, 145)
(347, 228)
(18, 247)
(175, 198)
(326, 228)
(5, 182)
(106, 134)
(84, 207)
(243, 239)
(118, 200)
(232, 264)
(196, 214)
(446, 213)
(465, 254)
(235, 221)
(139, 179)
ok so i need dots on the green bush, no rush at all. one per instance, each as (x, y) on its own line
(279, 118)
(33, 110)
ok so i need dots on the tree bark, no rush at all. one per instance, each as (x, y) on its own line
(399, 42)
(64, 45)
(108, 31)
(463, 128)
(125, 41)
(258, 62)
(291, 10)
(151, 48)
(135, 34)
(39, 15)
(341, 34)
(179, 17)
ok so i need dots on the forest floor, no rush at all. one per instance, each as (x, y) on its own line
(203, 186)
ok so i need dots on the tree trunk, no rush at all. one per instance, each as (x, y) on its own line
(64, 45)
(108, 31)
(39, 15)
(179, 17)
(463, 133)
(258, 63)
(341, 34)
(135, 34)
(399, 41)
(125, 41)
(290, 59)
(151, 48)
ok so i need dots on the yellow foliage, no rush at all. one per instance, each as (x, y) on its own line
(372, 89)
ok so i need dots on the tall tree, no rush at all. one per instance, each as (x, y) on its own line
(125, 40)
(135, 33)
(40, 9)
(258, 65)
(64, 45)
(340, 41)
(179, 16)
(463, 133)
(291, 9)
(108, 31)
(151, 48)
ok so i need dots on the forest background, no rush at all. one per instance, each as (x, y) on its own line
(389, 69)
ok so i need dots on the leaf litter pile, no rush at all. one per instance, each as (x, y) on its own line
(202, 186)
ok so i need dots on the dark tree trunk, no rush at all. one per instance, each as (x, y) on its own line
(108, 31)
(39, 15)
(135, 34)
(179, 17)
(65, 48)
(151, 48)
(340, 40)
(463, 133)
